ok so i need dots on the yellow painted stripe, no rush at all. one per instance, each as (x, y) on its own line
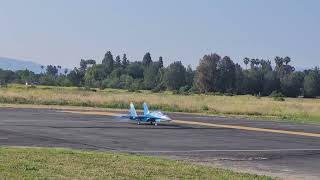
(92, 113)
(248, 128)
(210, 124)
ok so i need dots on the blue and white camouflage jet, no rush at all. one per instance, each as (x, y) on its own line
(151, 117)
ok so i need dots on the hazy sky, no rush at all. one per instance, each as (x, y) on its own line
(64, 31)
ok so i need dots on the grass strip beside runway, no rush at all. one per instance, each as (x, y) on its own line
(45, 163)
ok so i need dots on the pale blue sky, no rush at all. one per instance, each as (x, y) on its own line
(64, 31)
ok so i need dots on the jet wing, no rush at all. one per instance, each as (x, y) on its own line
(142, 117)
(136, 117)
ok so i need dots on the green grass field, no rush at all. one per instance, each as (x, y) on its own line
(43, 163)
(293, 109)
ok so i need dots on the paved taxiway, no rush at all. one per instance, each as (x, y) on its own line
(288, 155)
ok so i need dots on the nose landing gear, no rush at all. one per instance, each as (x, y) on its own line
(153, 123)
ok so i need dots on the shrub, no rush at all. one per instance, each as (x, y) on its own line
(205, 108)
(277, 96)
(3, 85)
(214, 93)
(175, 92)
(184, 90)
(156, 89)
(194, 90)
(31, 87)
(131, 90)
(228, 94)
(134, 90)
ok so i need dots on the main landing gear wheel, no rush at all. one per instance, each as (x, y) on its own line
(151, 123)
(138, 123)
(156, 124)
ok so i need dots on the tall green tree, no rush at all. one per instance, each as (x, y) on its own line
(91, 61)
(100, 72)
(292, 84)
(282, 66)
(6, 76)
(125, 61)
(190, 75)
(175, 76)
(25, 76)
(239, 89)
(161, 62)
(207, 74)
(76, 77)
(90, 77)
(83, 65)
(147, 60)
(108, 61)
(226, 79)
(151, 76)
(118, 62)
(135, 70)
(52, 70)
(312, 83)
(271, 83)
(252, 81)
(246, 61)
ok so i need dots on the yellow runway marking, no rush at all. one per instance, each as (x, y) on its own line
(248, 128)
(92, 113)
(210, 124)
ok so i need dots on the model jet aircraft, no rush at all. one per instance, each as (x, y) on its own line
(152, 117)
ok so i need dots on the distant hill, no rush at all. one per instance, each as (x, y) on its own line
(15, 64)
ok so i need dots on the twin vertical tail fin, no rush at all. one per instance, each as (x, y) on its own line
(145, 109)
(133, 111)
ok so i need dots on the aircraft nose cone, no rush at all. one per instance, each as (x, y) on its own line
(167, 117)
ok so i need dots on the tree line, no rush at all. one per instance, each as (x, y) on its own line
(214, 74)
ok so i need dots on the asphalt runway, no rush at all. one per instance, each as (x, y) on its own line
(288, 155)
